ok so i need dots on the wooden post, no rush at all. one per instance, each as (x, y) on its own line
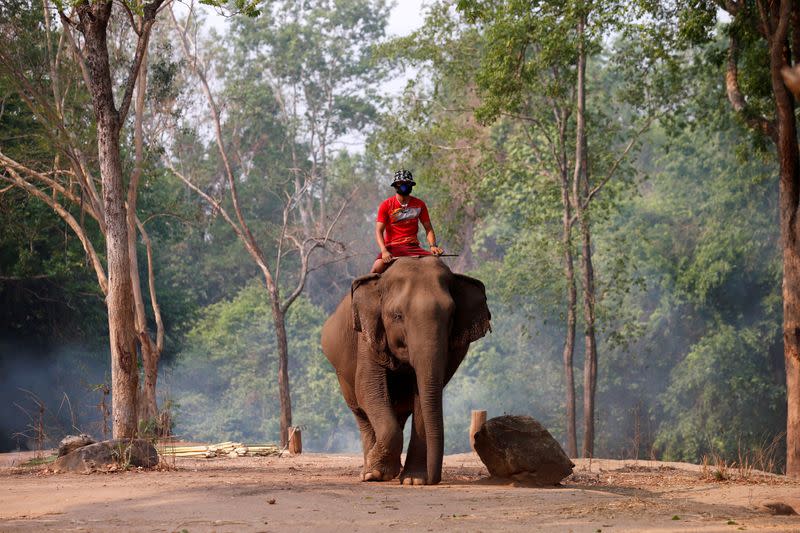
(295, 441)
(478, 419)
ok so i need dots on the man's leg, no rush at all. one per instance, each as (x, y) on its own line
(378, 266)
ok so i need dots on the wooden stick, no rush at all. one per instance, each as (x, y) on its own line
(478, 420)
(295, 441)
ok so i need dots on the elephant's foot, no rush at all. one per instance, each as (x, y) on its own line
(411, 476)
(376, 474)
(380, 466)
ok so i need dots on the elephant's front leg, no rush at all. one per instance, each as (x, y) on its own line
(383, 460)
(415, 470)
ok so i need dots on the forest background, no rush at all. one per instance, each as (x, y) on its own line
(685, 236)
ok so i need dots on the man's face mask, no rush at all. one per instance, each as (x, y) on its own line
(404, 188)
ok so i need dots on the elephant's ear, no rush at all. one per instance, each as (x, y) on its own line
(366, 297)
(472, 317)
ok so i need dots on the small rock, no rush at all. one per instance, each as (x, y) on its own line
(520, 448)
(73, 442)
(779, 508)
(108, 456)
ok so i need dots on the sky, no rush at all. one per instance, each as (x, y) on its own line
(406, 17)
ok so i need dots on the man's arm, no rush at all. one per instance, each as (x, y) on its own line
(385, 255)
(431, 236)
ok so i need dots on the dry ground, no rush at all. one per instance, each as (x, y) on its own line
(316, 492)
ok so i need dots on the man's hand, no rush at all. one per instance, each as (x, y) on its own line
(435, 250)
(386, 255)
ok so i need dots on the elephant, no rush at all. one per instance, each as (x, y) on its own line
(395, 341)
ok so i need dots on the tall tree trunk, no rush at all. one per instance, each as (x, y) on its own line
(590, 349)
(569, 335)
(279, 320)
(466, 260)
(773, 22)
(148, 406)
(788, 158)
(124, 372)
(580, 186)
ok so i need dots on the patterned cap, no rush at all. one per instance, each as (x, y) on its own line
(403, 176)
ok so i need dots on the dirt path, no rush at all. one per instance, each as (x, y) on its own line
(316, 492)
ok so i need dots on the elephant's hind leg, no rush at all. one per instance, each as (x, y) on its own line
(367, 436)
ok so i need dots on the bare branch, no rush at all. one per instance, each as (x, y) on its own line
(243, 228)
(211, 201)
(132, 22)
(152, 286)
(617, 162)
(133, 74)
(67, 24)
(736, 98)
(170, 215)
(24, 278)
(305, 255)
(783, 23)
(45, 179)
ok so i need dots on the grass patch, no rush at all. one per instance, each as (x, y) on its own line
(39, 461)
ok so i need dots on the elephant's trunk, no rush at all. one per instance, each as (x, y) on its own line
(428, 348)
(430, 395)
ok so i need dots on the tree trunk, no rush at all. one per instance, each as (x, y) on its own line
(466, 260)
(124, 372)
(148, 407)
(774, 22)
(581, 196)
(791, 336)
(569, 336)
(279, 320)
(590, 358)
(790, 241)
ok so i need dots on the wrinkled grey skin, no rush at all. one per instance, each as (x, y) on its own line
(395, 341)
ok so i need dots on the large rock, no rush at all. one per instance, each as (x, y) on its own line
(73, 442)
(107, 455)
(520, 448)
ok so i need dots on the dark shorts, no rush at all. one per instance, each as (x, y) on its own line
(404, 250)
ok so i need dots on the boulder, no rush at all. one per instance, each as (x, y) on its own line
(108, 455)
(779, 508)
(520, 448)
(73, 442)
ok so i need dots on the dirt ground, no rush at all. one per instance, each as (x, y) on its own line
(321, 492)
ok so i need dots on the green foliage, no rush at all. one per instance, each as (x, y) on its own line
(224, 380)
(48, 290)
(703, 371)
(685, 246)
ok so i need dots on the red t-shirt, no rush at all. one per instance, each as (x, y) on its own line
(402, 222)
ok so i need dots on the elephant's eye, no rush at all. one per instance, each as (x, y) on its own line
(397, 316)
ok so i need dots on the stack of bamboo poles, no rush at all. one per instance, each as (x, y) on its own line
(223, 449)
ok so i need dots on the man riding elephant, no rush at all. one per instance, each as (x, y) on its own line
(395, 341)
(398, 223)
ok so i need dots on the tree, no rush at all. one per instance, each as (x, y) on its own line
(764, 38)
(772, 23)
(316, 107)
(90, 19)
(533, 71)
(34, 86)
(322, 98)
